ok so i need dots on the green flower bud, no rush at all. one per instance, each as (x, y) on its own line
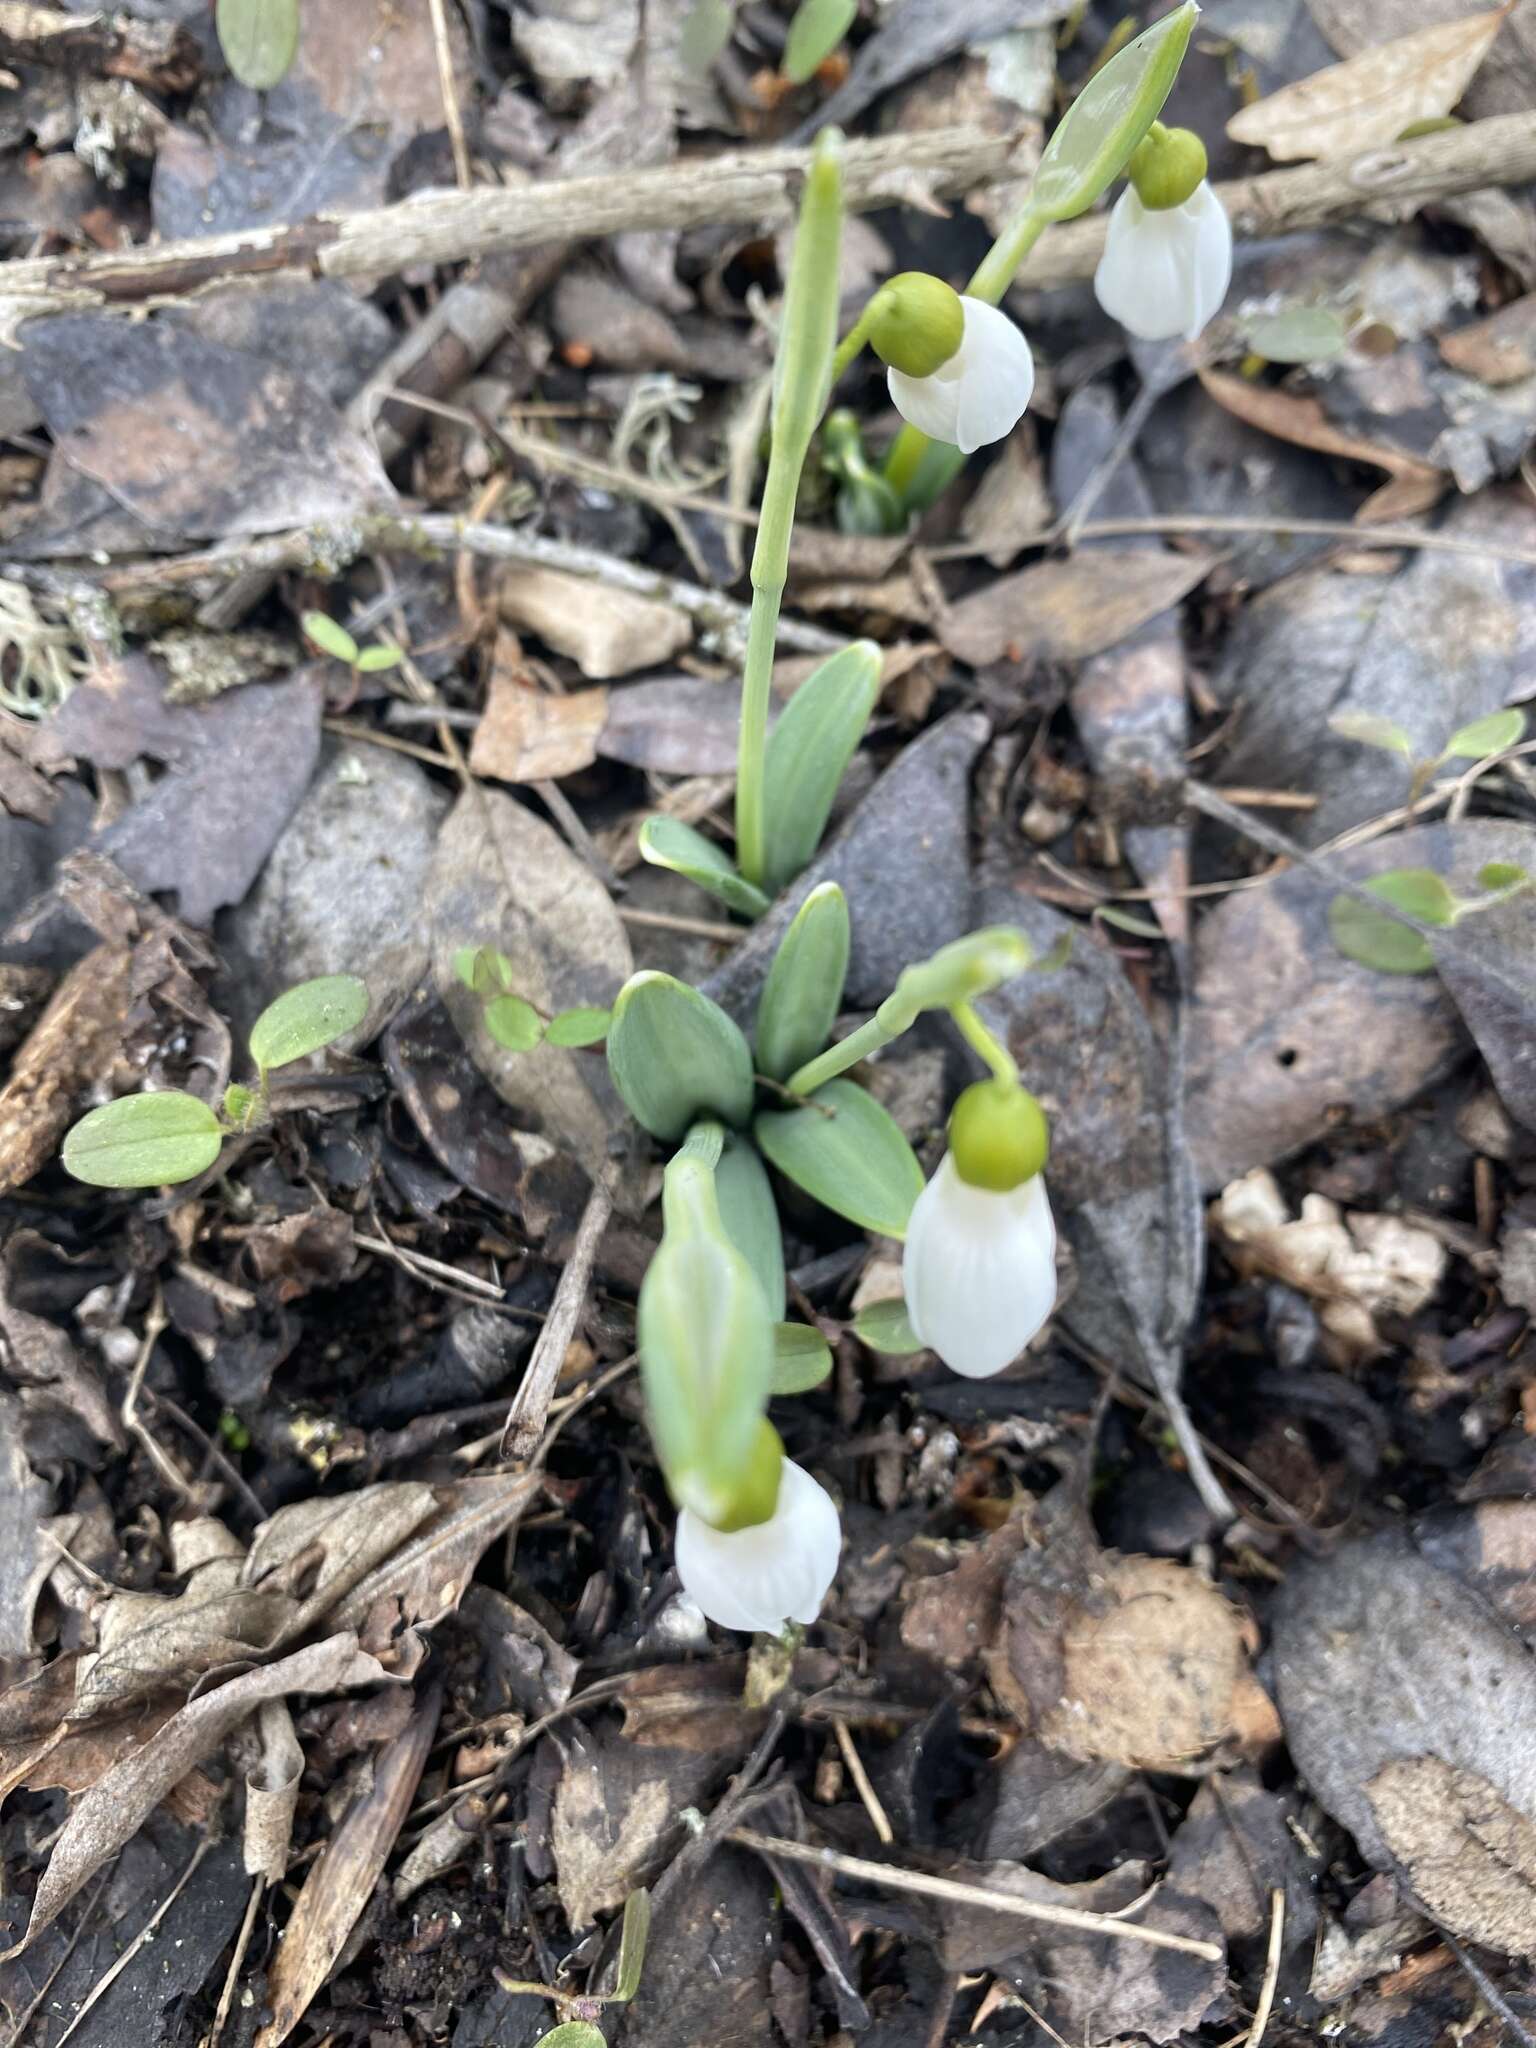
(916, 323)
(1168, 167)
(757, 1490)
(998, 1136)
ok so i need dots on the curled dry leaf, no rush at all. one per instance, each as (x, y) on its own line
(1370, 99)
(1415, 485)
(104, 1818)
(272, 1793)
(75, 1042)
(425, 1578)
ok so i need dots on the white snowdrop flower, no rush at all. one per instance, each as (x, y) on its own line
(980, 393)
(774, 1572)
(1167, 257)
(979, 1269)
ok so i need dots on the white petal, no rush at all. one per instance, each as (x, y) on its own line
(1165, 271)
(760, 1578)
(931, 404)
(1212, 258)
(979, 1270)
(997, 378)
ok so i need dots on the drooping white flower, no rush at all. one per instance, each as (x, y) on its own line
(1165, 270)
(979, 1269)
(980, 394)
(775, 1572)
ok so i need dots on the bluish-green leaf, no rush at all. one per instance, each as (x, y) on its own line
(668, 843)
(751, 1218)
(633, 1936)
(705, 33)
(804, 989)
(802, 1358)
(885, 1326)
(1098, 135)
(304, 1019)
(674, 1055)
(1495, 734)
(817, 29)
(847, 1152)
(260, 39)
(1379, 941)
(330, 637)
(808, 751)
(585, 1025)
(144, 1141)
(1296, 334)
(514, 1024)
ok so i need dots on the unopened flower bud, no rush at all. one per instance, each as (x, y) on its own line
(916, 323)
(1168, 168)
(998, 1136)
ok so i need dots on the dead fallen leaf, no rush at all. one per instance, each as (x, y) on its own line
(1473, 1857)
(74, 1044)
(1370, 99)
(1499, 349)
(425, 1578)
(614, 1809)
(679, 725)
(1415, 485)
(104, 1818)
(606, 632)
(42, 1361)
(272, 1793)
(26, 1555)
(529, 735)
(1065, 611)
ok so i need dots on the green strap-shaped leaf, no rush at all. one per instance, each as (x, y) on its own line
(817, 29)
(674, 1056)
(260, 39)
(802, 1358)
(804, 989)
(847, 1152)
(1099, 134)
(632, 1940)
(751, 1218)
(668, 843)
(144, 1141)
(808, 751)
(885, 1326)
(304, 1019)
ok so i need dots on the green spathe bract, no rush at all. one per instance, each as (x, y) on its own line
(847, 1152)
(144, 1141)
(808, 751)
(674, 1056)
(804, 988)
(307, 1018)
(669, 843)
(1106, 122)
(751, 1218)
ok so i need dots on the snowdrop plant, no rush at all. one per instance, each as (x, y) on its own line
(1167, 258)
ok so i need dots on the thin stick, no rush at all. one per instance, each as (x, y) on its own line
(877, 1814)
(897, 1880)
(163, 1462)
(450, 92)
(1244, 522)
(530, 1404)
(691, 927)
(1266, 2003)
(232, 1974)
(421, 1267)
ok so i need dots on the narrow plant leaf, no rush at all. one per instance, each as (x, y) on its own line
(372, 659)
(1096, 139)
(885, 1326)
(668, 843)
(584, 1025)
(260, 39)
(1495, 734)
(1378, 941)
(848, 1153)
(306, 1018)
(802, 1358)
(1297, 334)
(513, 1023)
(633, 1936)
(144, 1141)
(751, 1218)
(808, 751)
(329, 637)
(674, 1056)
(804, 989)
(817, 29)
(1371, 730)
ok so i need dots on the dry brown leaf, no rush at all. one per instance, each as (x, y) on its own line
(1471, 1855)
(1500, 349)
(107, 1816)
(528, 735)
(1065, 611)
(321, 1549)
(1415, 485)
(344, 1874)
(1370, 99)
(600, 1853)
(75, 1042)
(606, 632)
(41, 1359)
(428, 1575)
(272, 1793)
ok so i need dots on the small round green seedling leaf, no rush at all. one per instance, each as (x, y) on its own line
(674, 1056)
(668, 843)
(1378, 941)
(1096, 139)
(1372, 731)
(330, 637)
(751, 1217)
(584, 1025)
(304, 1019)
(808, 751)
(144, 1141)
(633, 1936)
(804, 988)
(817, 29)
(848, 1153)
(573, 2034)
(802, 1358)
(484, 970)
(372, 659)
(260, 39)
(1297, 334)
(1495, 734)
(885, 1326)
(1503, 877)
(513, 1023)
